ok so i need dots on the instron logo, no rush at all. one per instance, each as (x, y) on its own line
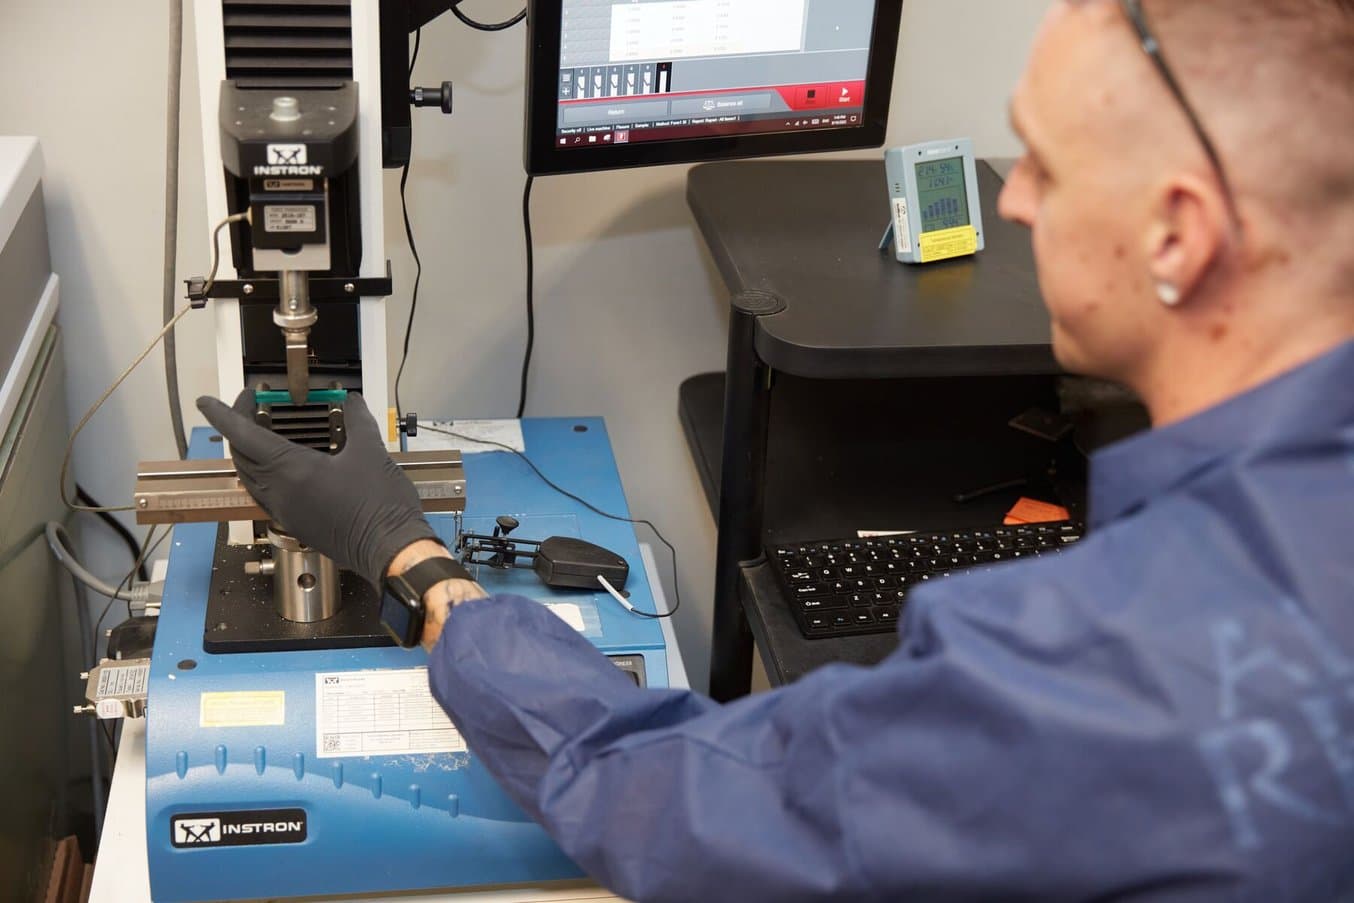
(197, 830)
(288, 160)
(286, 155)
(247, 827)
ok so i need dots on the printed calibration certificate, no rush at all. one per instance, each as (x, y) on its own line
(380, 713)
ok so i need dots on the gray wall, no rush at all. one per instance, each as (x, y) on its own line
(628, 302)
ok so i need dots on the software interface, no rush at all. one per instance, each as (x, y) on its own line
(659, 70)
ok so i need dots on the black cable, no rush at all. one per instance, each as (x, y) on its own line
(413, 247)
(98, 794)
(676, 589)
(126, 535)
(418, 262)
(531, 295)
(147, 549)
(485, 26)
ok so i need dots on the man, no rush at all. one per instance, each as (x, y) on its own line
(1165, 710)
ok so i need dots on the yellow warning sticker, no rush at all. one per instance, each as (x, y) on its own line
(949, 243)
(258, 708)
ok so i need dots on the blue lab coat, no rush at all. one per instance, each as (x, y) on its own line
(1164, 711)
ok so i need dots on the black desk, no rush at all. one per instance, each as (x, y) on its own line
(813, 298)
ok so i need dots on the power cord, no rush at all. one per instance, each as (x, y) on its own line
(168, 328)
(485, 26)
(531, 295)
(455, 8)
(413, 247)
(676, 589)
(418, 274)
(619, 596)
(59, 541)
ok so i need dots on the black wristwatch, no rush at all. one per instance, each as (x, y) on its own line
(402, 610)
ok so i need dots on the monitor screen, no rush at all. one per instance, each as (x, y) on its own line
(942, 192)
(635, 82)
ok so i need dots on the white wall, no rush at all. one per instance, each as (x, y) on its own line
(628, 303)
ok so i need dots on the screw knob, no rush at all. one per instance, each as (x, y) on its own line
(433, 97)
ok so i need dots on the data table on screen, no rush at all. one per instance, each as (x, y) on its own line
(682, 29)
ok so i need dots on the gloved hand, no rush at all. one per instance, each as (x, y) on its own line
(356, 507)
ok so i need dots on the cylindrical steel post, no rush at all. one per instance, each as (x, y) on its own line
(294, 316)
(305, 583)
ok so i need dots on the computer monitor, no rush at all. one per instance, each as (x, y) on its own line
(619, 83)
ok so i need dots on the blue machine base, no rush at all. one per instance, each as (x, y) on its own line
(243, 800)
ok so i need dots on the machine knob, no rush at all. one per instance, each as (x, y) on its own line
(506, 524)
(433, 97)
(285, 109)
(409, 424)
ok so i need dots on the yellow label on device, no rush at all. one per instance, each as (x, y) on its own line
(259, 708)
(948, 243)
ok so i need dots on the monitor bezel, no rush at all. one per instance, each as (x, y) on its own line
(543, 156)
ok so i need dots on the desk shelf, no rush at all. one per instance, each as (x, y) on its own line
(815, 304)
(808, 233)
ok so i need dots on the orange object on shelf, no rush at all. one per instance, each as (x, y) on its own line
(1031, 511)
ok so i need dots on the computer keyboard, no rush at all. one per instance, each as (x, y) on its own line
(843, 587)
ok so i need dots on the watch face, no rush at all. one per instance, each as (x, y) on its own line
(403, 624)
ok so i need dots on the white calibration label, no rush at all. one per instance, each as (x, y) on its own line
(570, 614)
(380, 713)
(902, 229)
(288, 218)
(124, 680)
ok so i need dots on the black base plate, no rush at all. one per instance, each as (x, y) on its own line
(241, 616)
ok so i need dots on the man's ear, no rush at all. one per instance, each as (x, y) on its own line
(1189, 231)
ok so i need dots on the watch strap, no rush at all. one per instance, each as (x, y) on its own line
(426, 574)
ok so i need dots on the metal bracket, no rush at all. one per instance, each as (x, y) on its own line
(265, 290)
(497, 552)
(208, 491)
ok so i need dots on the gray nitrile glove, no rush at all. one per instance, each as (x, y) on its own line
(357, 507)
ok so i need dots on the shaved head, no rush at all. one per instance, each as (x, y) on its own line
(1190, 282)
(1274, 82)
